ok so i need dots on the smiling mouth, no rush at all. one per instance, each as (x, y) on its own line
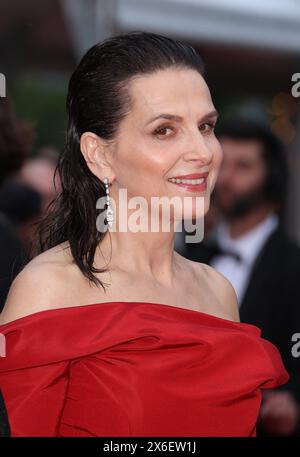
(193, 183)
(187, 181)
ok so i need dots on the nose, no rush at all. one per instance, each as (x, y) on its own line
(198, 150)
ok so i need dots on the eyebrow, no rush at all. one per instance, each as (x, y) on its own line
(174, 117)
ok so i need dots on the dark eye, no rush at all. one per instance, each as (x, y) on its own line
(245, 165)
(160, 130)
(207, 127)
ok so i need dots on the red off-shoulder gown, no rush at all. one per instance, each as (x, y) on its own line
(135, 369)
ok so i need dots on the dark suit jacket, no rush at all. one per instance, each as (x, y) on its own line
(272, 298)
(12, 258)
(4, 423)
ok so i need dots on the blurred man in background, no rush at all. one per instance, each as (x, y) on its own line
(250, 248)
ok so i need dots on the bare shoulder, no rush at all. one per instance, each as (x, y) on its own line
(221, 287)
(39, 285)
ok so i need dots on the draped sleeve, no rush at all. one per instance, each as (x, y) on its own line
(34, 391)
(40, 351)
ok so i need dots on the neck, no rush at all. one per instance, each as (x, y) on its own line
(147, 254)
(243, 224)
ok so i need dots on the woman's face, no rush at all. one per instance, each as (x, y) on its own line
(167, 134)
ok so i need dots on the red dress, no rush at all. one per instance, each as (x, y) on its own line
(135, 369)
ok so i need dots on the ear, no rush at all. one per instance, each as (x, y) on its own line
(94, 151)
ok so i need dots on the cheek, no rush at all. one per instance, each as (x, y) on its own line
(217, 158)
(218, 155)
(253, 181)
(141, 172)
(148, 159)
(134, 164)
(251, 178)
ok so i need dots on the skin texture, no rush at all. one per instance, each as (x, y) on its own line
(143, 266)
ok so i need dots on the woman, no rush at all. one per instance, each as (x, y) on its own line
(110, 332)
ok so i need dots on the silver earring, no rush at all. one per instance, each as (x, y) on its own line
(109, 211)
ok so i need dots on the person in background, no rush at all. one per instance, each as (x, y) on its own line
(16, 138)
(4, 422)
(38, 172)
(22, 207)
(250, 247)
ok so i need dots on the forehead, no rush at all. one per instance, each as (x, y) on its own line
(241, 149)
(180, 91)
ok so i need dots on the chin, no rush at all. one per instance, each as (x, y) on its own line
(196, 213)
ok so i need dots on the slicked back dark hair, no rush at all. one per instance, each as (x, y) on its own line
(98, 100)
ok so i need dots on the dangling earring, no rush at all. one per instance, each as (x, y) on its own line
(109, 211)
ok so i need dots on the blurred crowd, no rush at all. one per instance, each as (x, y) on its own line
(27, 186)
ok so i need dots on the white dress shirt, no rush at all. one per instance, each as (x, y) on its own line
(247, 246)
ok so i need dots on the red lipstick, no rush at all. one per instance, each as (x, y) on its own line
(199, 187)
